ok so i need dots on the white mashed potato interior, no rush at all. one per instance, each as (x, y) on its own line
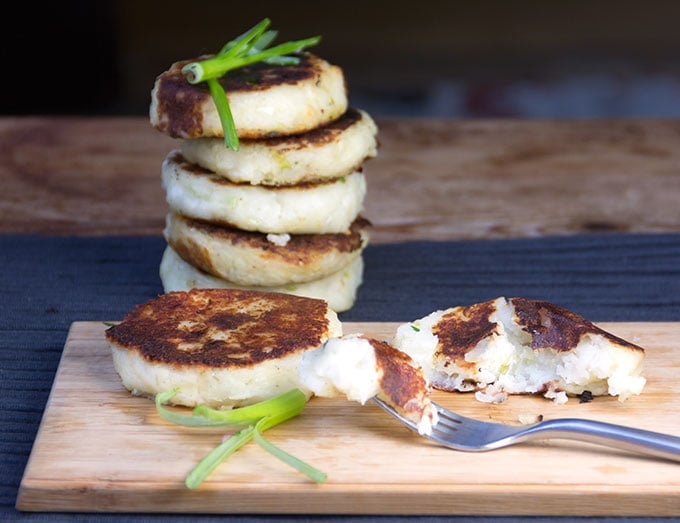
(344, 366)
(418, 341)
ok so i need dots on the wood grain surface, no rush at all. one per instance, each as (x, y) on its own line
(101, 449)
(432, 179)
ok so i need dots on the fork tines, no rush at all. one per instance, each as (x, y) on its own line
(448, 421)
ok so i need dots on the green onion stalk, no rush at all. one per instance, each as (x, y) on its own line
(251, 421)
(251, 47)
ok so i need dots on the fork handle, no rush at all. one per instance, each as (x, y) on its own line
(608, 434)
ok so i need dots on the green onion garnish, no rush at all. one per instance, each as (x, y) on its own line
(249, 48)
(252, 421)
(179, 418)
(217, 456)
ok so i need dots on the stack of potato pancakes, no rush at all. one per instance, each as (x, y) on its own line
(281, 213)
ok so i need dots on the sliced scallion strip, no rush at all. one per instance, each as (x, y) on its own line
(217, 455)
(293, 399)
(224, 111)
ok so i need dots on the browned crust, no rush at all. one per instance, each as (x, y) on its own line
(317, 137)
(557, 328)
(460, 330)
(256, 327)
(301, 249)
(550, 326)
(180, 102)
(404, 385)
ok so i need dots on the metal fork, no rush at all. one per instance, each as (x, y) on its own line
(461, 433)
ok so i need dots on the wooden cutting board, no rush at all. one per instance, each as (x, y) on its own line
(101, 449)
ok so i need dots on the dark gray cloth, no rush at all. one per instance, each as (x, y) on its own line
(48, 282)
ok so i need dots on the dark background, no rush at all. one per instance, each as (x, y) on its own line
(489, 58)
